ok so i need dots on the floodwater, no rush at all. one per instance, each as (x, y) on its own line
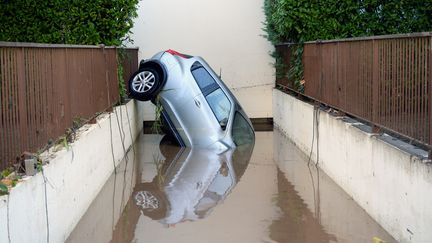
(261, 193)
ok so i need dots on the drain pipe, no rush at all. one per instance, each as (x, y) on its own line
(315, 127)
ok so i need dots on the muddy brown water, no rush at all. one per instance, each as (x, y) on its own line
(261, 193)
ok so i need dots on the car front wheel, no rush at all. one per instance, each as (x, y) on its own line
(144, 84)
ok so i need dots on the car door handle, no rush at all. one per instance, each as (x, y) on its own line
(197, 103)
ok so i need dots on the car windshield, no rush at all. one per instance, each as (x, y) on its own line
(242, 132)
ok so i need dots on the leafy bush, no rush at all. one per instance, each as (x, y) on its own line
(379, 17)
(298, 21)
(67, 21)
(4, 190)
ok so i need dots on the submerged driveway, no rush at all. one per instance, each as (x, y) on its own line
(195, 196)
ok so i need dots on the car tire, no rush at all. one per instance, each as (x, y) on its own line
(144, 84)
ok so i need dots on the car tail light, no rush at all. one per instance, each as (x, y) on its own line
(176, 53)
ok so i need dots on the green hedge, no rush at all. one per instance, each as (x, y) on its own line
(298, 21)
(88, 22)
(306, 20)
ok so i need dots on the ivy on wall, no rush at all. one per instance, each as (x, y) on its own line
(298, 21)
(67, 21)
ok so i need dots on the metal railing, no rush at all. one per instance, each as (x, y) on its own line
(384, 80)
(44, 88)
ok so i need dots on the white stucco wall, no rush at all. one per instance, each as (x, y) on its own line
(392, 185)
(74, 178)
(228, 34)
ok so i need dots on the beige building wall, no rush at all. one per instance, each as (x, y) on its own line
(228, 34)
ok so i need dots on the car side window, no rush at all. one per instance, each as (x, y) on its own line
(203, 78)
(242, 132)
(220, 105)
(216, 98)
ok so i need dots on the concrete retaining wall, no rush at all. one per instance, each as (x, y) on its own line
(103, 220)
(74, 176)
(392, 183)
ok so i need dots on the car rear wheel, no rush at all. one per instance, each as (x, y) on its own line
(144, 84)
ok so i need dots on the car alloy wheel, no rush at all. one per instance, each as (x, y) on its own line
(143, 82)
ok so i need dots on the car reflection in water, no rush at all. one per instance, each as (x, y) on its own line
(190, 182)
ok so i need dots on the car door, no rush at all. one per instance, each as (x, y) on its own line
(197, 122)
(213, 106)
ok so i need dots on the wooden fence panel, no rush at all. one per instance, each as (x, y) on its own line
(44, 88)
(385, 80)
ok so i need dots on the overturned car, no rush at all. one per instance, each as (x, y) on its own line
(197, 108)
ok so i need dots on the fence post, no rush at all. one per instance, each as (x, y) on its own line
(22, 97)
(375, 86)
(429, 71)
(320, 78)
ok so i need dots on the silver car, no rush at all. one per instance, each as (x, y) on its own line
(198, 108)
